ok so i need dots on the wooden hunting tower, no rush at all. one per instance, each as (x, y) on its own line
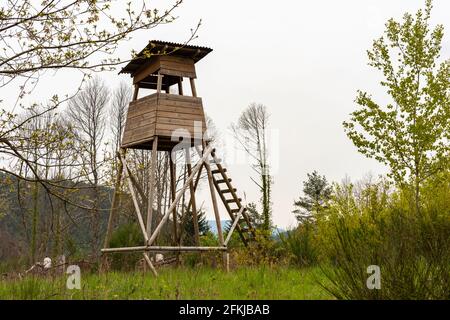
(165, 115)
(158, 122)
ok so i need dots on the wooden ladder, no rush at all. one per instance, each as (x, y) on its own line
(232, 204)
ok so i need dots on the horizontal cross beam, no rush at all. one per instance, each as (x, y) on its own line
(162, 248)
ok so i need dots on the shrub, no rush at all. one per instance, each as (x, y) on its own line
(126, 235)
(299, 245)
(208, 258)
(264, 251)
(412, 249)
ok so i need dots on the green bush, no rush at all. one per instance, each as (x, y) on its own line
(411, 248)
(265, 251)
(208, 258)
(126, 235)
(299, 245)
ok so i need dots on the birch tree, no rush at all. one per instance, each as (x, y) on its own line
(251, 133)
(87, 114)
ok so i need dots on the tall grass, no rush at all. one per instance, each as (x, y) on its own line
(177, 283)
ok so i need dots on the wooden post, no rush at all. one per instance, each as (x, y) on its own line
(194, 91)
(151, 187)
(150, 264)
(173, 194)
(114, 202)
(213, 198)
(159, 83)
(227, 262)
(180, 86)
(193, 203)
(135, 202)
(172, 197)
(215, 207)
(136, 92)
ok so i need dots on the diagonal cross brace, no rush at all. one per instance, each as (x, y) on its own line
(236, 221)
(135, 202)
(180, 194)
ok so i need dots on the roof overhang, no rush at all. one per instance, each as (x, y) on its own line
(158, 48)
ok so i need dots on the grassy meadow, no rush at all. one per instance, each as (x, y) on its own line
(177, 283)
(383, 237)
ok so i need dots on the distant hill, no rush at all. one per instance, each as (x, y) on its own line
(16, 218)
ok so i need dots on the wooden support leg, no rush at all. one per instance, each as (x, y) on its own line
(114, 203)
(151, 187)
(213, 199)
(172, 197)
(136, 92)
(135, 201)
(194, 91)
(193, 203)
(173, 191)
(150, 264)
(180, 86)
(214, 202)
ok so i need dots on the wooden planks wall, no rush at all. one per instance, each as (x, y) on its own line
(169, 65)
(177, 66)
(179, 112)
(162, 114)
(141, 120)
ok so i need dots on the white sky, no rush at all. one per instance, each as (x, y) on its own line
(303, 59)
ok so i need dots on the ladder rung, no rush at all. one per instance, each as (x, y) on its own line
(223, 181)
(243, 226)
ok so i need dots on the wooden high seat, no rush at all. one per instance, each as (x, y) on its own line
(166, 116)
(158, 121)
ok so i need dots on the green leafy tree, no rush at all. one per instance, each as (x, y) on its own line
(317, 193)
(40, 38)
(43, 37)
(411, 133)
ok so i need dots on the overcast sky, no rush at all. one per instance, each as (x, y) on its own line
(303, 59)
